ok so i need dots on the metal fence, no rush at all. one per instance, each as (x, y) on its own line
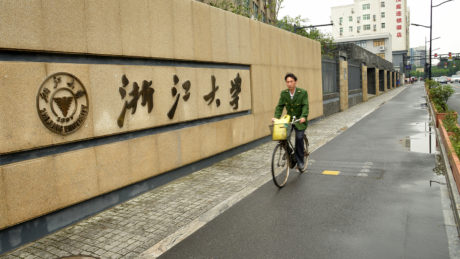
(381, 80)
(330, 73)
(354, 75)
(388, 74)
(371, 80)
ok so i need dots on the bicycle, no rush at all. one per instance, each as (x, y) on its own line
(283, 158)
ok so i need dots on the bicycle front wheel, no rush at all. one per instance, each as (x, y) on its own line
(306, 153)
(280, 165)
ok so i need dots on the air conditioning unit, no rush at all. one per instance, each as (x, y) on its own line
(382, 48)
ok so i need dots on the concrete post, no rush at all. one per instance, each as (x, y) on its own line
(377, 86)
(343, 68)
(364, 82)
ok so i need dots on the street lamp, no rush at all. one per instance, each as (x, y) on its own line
(425, 63)
(431, 27)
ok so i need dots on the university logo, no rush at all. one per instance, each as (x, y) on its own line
(62, 103)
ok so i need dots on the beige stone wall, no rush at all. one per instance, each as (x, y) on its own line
(170, 30)
(102, 83)
(343, 84)
(364, 82)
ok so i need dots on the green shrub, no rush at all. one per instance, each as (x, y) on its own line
(439, 95)
(450, 122)
(432, 83)
(455, 139)
(456, 145)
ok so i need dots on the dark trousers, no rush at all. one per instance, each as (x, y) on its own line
(299, 145)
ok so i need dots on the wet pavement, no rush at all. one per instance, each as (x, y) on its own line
(381, 204)
(155, 221)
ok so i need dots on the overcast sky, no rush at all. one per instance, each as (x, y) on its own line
(445, 20)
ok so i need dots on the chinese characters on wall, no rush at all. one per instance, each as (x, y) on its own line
(179, 88)
(398, 19)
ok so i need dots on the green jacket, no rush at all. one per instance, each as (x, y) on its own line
(297, 107)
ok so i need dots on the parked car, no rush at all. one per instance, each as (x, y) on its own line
(442, 79)
(455, 79)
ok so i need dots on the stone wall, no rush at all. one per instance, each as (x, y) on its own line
(95, 53)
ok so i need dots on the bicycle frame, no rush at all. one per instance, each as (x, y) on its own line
(288, 142)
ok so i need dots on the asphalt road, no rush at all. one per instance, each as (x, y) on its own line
(454, 100)
(381, 204)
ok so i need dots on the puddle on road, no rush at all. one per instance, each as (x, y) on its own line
(423, 142)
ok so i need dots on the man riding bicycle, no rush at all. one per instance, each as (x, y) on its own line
(296, 102)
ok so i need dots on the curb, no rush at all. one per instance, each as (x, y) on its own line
(452, 188)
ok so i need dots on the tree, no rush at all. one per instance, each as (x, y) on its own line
(288, 23)
(226, 5)
(278, 7)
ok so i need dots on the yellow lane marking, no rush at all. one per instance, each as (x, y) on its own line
(326, 172)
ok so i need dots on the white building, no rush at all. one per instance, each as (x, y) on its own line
(418, 56)
(374, 17)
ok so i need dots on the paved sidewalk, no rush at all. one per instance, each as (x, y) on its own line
(153, 222)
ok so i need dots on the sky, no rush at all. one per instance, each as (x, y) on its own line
(445, 20)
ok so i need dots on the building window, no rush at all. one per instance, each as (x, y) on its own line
(399, 35)
(350, 29)
(367, 27)
(374, 17)
(383, 25)
(399, 20)
(375, 27)
(398, 6)
(382, 4)
(340, 20)
(255, 9)
(362, 43)
(382, 14)
(366, 17)
(350, 18)
(341, 31)
(358, 28)
(380, 42)
(358, 19)
(398, 27)
(366, 6)
(398, 13)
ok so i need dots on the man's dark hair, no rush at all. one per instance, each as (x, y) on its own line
(291, 75)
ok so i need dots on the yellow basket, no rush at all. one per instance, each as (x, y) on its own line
(280, 128)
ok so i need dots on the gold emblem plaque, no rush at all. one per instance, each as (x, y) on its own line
(62, 103)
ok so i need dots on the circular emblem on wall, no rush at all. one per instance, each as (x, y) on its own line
(62, 103)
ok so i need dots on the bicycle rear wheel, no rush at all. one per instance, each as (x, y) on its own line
(280, 165)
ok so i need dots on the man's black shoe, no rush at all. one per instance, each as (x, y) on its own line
(301, 167)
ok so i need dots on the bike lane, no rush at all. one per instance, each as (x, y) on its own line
(380, 205)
